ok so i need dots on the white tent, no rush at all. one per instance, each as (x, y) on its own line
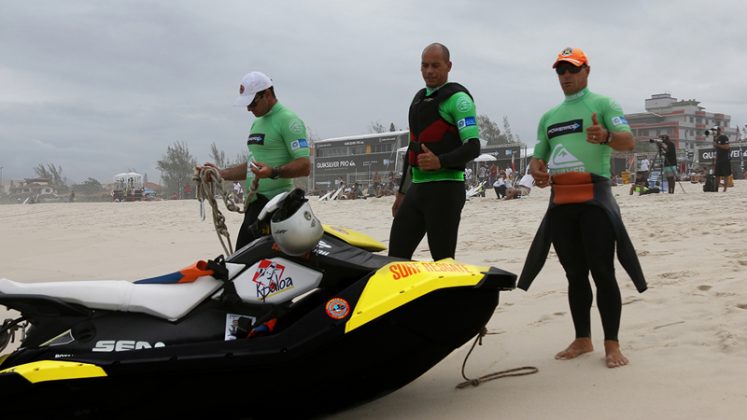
(485, 158)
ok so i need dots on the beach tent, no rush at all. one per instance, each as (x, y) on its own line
(485, 158)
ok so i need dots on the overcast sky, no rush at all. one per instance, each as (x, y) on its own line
(101, 87)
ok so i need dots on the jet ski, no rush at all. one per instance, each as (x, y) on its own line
(270, 331)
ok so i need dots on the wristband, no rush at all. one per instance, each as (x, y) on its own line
(275, 173)
(609, 138)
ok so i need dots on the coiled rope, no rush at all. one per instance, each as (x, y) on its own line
(521, 371)
(209, 185)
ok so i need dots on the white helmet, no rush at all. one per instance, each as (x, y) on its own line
(297, 233)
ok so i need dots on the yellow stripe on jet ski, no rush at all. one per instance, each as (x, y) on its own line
(398, 283)
(356, 239)
(50, 370)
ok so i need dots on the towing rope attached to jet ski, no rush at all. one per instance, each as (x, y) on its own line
(209, 185)
(520, 371)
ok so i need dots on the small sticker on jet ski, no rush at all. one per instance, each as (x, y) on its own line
(238, 325)
(337, 308)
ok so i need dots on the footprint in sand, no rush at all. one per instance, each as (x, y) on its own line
(704, 287)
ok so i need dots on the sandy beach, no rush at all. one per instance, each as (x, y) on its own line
(686, 337)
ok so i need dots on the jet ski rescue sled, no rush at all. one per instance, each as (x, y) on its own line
(263, 333)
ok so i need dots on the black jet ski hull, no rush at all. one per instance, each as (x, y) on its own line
(324, 371)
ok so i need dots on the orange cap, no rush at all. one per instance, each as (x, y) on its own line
(574, 56)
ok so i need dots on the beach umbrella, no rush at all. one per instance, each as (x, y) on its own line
(485, 158)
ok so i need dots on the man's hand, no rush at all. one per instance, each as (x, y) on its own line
(427, 160)
(261, 170)
(538, 170)
(596, 134)
(397, 202)
(209, 176)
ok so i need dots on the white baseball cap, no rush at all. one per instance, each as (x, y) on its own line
(252, 83)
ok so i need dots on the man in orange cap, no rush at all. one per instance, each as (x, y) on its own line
(583, 221)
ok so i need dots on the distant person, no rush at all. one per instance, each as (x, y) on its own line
(278, 149)
(500, 185)
(444, 136)
(641, 174)
(583, 221)
(238, 191)
(670, 162)
(722, 167)
(523, 188)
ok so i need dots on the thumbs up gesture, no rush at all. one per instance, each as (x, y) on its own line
(596, 134)
(427, 160)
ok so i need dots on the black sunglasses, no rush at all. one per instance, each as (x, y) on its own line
(259, 95)
(572, 69)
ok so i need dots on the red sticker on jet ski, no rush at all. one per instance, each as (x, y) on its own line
(338, 308)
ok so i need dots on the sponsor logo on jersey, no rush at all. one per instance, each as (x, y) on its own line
(561, 160)
(296, 126)
(464, 104)
(299, 144)
(466, 122)
(258, 139)
(269, 279)
(567, 127)
(619, 121)
(337, 308)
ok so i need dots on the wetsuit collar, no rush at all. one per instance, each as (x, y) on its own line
(429, 91)
(578, 95)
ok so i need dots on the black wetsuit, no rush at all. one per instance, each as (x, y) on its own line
(583, 220)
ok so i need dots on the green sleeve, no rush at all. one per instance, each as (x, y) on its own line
(293, 132)
(542, 148)
(460, 110)
(614, 117)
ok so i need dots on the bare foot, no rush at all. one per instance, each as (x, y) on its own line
(578, 347)
(613, 355)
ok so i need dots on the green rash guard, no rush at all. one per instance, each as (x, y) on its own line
(458, 110)
(562, 134)
(275, 139)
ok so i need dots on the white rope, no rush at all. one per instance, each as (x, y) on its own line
(209, 185)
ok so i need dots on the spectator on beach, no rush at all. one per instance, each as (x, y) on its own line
(641, 175)
(278, 149)
(583, 221)
(444, 136)
(523, 188)
(670, 162)
(500, 185)
(722, 167)
(468, 175)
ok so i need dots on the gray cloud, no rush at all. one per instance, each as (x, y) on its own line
(102, 87)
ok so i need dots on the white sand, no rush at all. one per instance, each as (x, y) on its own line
(686, 336)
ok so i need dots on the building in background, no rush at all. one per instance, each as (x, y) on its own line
(685, 122)
(358, 159)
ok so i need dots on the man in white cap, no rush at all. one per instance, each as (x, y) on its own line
(278, 149)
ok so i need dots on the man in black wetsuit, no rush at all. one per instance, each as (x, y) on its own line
(670, 162)
(722, 167)
(443, 137)
(583, 221)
